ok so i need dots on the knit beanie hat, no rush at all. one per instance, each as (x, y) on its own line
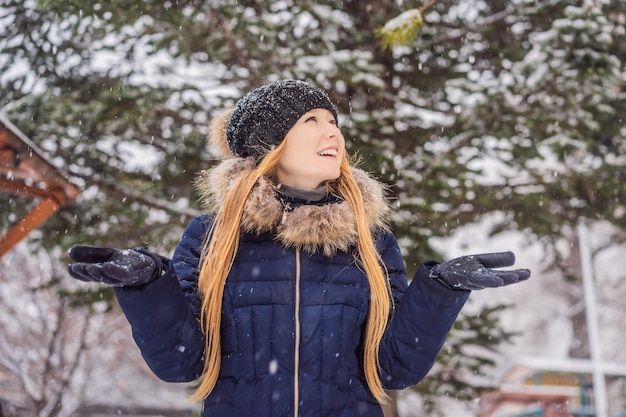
(262, 118)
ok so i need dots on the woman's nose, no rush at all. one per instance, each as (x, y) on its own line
(332, 130)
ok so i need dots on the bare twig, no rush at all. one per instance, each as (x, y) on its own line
(116, 189)
(239, 53)
(427, 5)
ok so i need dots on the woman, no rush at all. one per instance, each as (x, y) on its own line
(290, 296)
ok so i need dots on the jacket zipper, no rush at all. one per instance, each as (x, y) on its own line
(296, 384)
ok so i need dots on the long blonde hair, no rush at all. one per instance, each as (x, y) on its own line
(221, 248)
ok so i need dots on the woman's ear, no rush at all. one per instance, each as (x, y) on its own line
(217, 134)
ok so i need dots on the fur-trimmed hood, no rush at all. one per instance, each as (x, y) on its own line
(327, 227)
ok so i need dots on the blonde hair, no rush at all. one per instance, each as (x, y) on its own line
(221, 248)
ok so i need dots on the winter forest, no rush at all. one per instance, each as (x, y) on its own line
(496, 125)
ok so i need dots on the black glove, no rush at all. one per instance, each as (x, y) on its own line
(473, 272)
(114, 267)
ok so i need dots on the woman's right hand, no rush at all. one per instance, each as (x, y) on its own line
(114, 267)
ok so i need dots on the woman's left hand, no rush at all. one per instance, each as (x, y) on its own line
(475, 272)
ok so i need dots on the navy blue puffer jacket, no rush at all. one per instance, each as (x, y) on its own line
(292, 325)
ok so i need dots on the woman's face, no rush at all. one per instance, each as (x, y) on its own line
(314, 148)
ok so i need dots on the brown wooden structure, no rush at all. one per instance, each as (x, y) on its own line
(25, 171)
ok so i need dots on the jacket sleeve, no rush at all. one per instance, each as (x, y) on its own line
(163, 313)
(423, 314)
(186, 260)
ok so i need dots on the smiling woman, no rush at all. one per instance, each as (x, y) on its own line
(313, 151)
(290, 296)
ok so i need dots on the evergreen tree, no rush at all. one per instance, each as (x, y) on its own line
(551, 121)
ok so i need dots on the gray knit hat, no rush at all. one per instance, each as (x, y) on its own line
(262, 118)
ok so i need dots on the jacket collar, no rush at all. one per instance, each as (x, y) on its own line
(326, 226)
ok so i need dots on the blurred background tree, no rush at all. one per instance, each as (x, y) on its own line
(482, 107)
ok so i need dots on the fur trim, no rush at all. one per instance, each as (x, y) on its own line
(327, 228)
(217, 134)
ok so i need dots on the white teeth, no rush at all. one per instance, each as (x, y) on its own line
(328, 152)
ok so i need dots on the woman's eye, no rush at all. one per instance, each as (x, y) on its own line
(311, 119)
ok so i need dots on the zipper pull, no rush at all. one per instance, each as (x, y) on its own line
(286, 210)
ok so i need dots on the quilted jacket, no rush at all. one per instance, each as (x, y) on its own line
(294, 310)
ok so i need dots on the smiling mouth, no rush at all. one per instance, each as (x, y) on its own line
(328, 152)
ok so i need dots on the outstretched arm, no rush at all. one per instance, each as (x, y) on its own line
(164, 328)
(149, 289)
(422, 318)
(425, 311)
